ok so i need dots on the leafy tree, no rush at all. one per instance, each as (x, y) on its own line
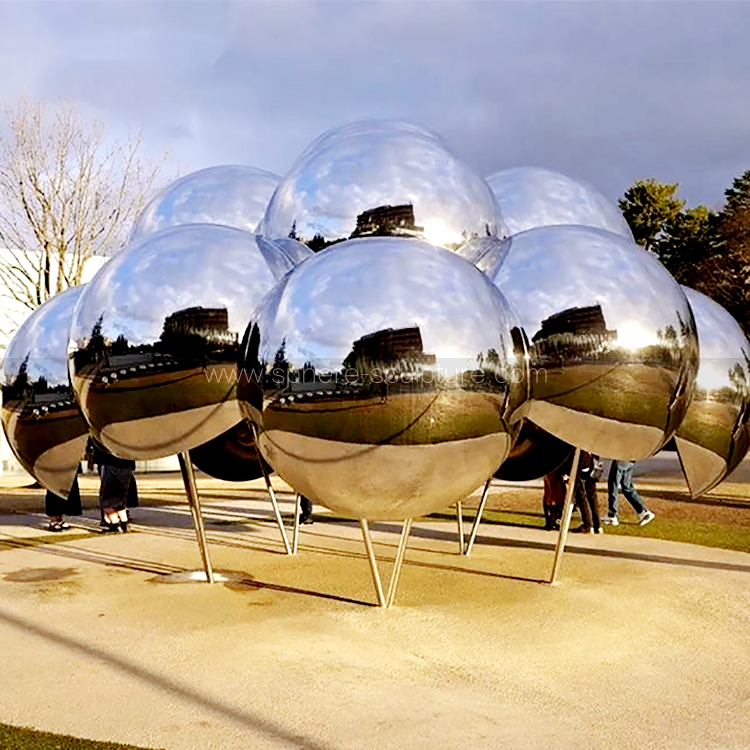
(687, 240)
(649, 206)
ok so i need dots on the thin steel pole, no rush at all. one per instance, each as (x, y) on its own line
(567, 513)
(460, 520)
(191, 490)
(271, 493)
(295, 536)
(399, 561)
(373, 562)
(477, 520)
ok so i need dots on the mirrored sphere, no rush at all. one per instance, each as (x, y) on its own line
(41, 419)
(231, 456)
(531, 197)
(234, 196)
(155, 339)
(612, 342)
(534, 454)
(381, 377)
(714, 436)
(381, 178)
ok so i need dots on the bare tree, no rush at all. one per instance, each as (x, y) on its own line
(66, 193)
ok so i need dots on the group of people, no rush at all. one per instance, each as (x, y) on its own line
(590, 469)
(117, 492)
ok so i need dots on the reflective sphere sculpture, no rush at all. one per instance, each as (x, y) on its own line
(714, 436)
(41, 419)
(534, 454)
(233, 196)
(612, 342)
(231, 456)
(531, 197)
(381, 178)
(155, 339)
(381, 377)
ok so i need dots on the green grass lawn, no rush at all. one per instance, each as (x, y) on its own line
(20, 738)
(676, 530)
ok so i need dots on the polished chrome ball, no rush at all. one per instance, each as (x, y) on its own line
(714, 436)
(42, 422)
(381, 178)
(533, 455)
(381, 373)
(612, 344)
(155, 338)
(231, 456)
(233, 196)
(531, 197)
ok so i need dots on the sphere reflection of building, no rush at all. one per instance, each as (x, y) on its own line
(408, 355)
(613, 348)
(41, 419)
(156, 337)
(407, 183)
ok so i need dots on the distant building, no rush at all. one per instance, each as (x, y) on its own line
(387, 347)
(208, 323)
(576, 320)
(387, 220)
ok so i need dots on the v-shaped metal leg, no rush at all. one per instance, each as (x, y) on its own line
(295, 535)
(191, 490)
(271, 494)
(386, 600)
(567, 513)
(478, 518)
(460, 521)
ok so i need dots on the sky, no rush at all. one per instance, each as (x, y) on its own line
(603, 91)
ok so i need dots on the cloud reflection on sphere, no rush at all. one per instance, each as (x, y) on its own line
(42, 421)
(155, 338)
(381, 179)
(612, 341)
(233, 195)
(532, 197)
(715, 435)
(381, 373)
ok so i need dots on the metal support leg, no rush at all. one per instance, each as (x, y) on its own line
(399, 561)
(295, 536)
(373, 562)
(460, 520)
(567, 513)
(271, 494)
(478, 519)
(191, 490)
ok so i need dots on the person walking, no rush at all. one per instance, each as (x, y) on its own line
(589, 471)
(621, 480)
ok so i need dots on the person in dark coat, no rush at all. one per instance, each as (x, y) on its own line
(117, 489)
(57, 507)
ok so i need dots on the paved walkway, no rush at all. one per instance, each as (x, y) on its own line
(643, 644)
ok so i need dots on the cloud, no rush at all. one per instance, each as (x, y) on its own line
(607, 92)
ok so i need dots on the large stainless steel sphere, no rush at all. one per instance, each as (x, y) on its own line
(234, 196)
(155, 339)
(231, 456)
(41, 419)
(381, 178)
(531, 197)
(382, 376)
(714, 436)
(612, 342)
(534, 454)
